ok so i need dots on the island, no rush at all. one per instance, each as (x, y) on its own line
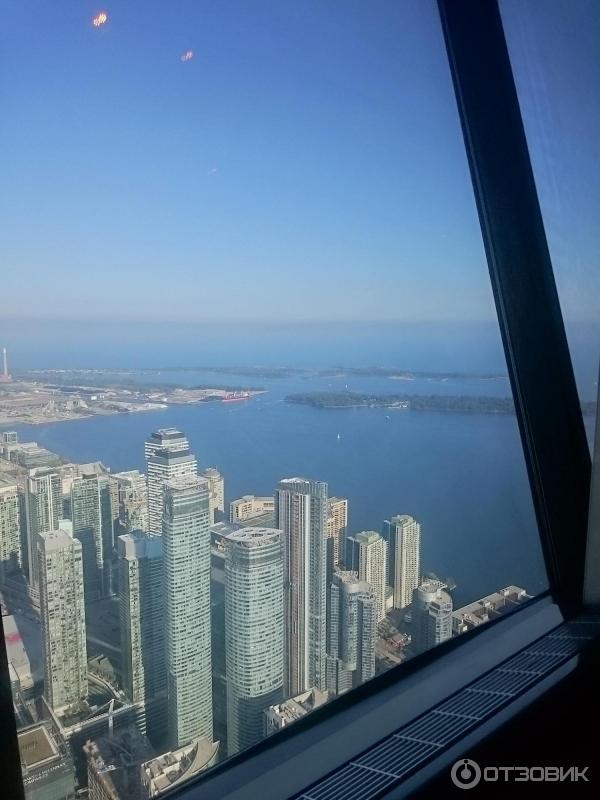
(456, 404)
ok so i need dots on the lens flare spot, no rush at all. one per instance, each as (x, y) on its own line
(100, 19)
(187, 56)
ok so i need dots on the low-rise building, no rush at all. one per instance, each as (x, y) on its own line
(489, 607)
(46, 764)
(173, 768)
(294, 708)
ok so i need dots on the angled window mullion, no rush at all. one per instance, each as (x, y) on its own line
(533, 333)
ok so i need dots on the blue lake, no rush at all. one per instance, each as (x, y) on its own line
(462, 476)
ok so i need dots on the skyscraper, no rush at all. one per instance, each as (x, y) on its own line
(353, 632)
(10, 530)
(186, 552)
(131, 507)
(165, 439)
(216, 494)
(301, 513)
(43, 507)
(431, 613)
(91, 511)
(254, 631)
(337, 525)
(142, 606)
(62, 611)
(368, 556)
(403, 536)
(163, 465)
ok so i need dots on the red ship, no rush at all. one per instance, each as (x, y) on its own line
(235, 397)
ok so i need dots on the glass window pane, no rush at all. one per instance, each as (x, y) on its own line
(554, 52)
(245, 274)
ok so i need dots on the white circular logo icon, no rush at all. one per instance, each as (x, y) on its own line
(465, 773)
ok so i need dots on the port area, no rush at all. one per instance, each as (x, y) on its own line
(36, 402)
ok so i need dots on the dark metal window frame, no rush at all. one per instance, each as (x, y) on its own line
(550, 423)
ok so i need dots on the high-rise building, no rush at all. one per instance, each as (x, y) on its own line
(367, 555)
(10, 530)
(431, 614)
(186, 553)
(254, 631)
(216, 494)
(131, 501)
(10, 437)
(249, 508)
(218, 534)
(142, 608)
(353, 632)
(62, 611)
(301, 513)
(163, 466)
(403, 536)
(92, 515)
(337, 525)
(43, 507)
(165, 439)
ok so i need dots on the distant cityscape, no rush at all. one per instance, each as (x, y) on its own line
(153, 630)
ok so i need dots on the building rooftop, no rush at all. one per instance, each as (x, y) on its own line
(36, 747)
(46, 762)
(367, 536)
(254, 536)
(295, 708)
(57, 540)
(181, 482)
(139, 545)
(494, 604)
(18, 660)
(176, 766)
(168, 433)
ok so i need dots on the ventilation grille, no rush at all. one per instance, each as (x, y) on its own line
(412, 746)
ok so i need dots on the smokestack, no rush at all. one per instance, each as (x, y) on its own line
(5, 362)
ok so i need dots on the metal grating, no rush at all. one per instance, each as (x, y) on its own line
(385, 765)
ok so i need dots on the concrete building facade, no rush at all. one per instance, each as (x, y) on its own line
(62, 612)
(403, 536)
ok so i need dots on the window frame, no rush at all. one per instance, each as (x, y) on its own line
(552, 434)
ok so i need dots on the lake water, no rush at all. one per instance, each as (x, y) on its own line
(462, 476)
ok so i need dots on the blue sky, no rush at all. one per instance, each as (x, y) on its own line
(306, 165)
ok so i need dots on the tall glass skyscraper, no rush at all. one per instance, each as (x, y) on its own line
(403, 536)
(301, 513)
(186, 552)
(163, 464)
(254, 631)
(91, 509)
(353, 632)
(367, 555)
(142, 607)
(10, 530)
(431, 616)
(43, 510)
(62, 612)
